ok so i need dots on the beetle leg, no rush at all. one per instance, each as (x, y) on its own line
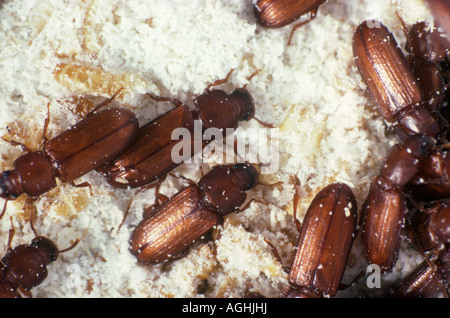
(176, 102)
(312, 16)
(12, 231)
(160, 199)
(296, 182)
(251, 77)
(189, 181)
(219, 82)
(16, 143)
(104, 103)
(177, 257)
(245, 207)
(46, 122)
(25, 292)
(278, 185)
(81, 185)
(343, 286)
(277, 255)
(72, 246)
(125, 215)
(4, 209)
(32, 218)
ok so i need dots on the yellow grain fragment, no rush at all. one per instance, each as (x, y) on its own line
(95, 81)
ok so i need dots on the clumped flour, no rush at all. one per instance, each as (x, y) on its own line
(71, 55)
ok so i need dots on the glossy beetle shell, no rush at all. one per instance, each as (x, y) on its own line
(26, 265)
(432, 180)
(391, 82)
(383, 212)
(441, 12)
(424, 281)
(76, 151)
(385, 208)
(91, 142)
(325, 242)
(172, 227)
(220, 110)
(429, 45)
(191, 213)
(149, 157)
(430, 229)
(278, 13)
(35, 172)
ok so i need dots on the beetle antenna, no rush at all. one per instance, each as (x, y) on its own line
(105, 102)
(74, 244)
(156, 98)
(125, 215)
(405, 31)
(4, 209)
(219, 82)
(267, 125)
(442, 146)
(295, 180)
(32, 217)
(251, 77)
(46, 122)
(16, 143)
(312, 16)
(12, 231)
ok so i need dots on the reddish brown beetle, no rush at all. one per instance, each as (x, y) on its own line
(324, 243)
(428, 44)
(426, 281)
(191, 213)
(149, 157)
(429, 227)
(25, 266)
(432, 180)
(428, 50)
(441, 12)
(78, 150)
(385, 208)
(391, 82)
(279, 13)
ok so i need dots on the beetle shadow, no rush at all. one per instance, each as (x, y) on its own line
(248, 14)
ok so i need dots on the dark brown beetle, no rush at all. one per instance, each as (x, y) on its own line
(324, 243)
(428, 44)
(425, 281)
(25, 266)
(441, 12)
(176, 224)
(428, 51)
(429, 226)
(279, 13)
(149, 157)
(391, 82)
(385, 208)
(432, 180)
(76, 151)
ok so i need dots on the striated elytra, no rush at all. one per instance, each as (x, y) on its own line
(76, 151)
(149, 157)
(324, 243)
(191, 213)
(391, 82)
